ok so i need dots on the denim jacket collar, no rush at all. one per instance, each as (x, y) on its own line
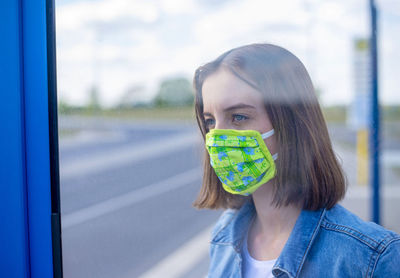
(296, 248)
(234, 231)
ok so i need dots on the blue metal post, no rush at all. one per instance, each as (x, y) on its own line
(14, 228)
(26, 248)
(374, 130)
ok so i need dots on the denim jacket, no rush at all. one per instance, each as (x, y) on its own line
(323, 243)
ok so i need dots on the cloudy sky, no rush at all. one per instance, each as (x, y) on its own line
(123, 44)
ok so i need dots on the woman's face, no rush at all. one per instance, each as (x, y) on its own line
(230, 103)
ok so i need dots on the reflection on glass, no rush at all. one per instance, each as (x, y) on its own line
(130, 152)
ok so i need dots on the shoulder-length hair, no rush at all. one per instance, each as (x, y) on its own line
(307, 171)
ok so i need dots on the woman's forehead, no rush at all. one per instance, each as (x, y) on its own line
(223, 89)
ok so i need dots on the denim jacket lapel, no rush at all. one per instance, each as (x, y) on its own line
(299, 243)
(235, 230)
(228, 239)
(295, 250)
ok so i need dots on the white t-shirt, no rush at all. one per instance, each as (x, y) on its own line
(252, 268)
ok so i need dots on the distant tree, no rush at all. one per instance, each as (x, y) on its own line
(64, 107)
(94, 103)
(132, 97)
(318, 92)
(174, 92)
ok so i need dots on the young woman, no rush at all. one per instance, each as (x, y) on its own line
(270, 163)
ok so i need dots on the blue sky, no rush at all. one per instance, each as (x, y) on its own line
(123, 44)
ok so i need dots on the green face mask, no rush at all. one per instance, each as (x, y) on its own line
(240, 159)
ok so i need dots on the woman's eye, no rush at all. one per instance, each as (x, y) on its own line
(239, 118)
(209, 122)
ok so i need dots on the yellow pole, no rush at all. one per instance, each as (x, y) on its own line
(362, 157)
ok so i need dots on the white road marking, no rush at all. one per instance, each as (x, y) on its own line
(85, 137)
(126, 154)
(182, 260)
(130, 198)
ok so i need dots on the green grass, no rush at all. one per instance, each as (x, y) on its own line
(159, 113)
(332, 114)
(62, 133)
(177, 113)
(167, 113)
(335, 114)
(396, 170)
(338, 114)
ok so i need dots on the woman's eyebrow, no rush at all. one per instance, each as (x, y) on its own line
(239, 106)
(233, 107)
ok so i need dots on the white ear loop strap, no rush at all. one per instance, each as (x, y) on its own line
(265, 136)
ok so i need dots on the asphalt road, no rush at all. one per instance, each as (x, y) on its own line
(127, 190)
(105, 235)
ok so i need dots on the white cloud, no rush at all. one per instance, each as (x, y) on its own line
(78, 14)
(179, 7)
(120, 43)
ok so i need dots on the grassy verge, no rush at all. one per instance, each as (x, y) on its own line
(159, 113)
(67, 132)
(396, 170)
(332, 114)
(335, 114)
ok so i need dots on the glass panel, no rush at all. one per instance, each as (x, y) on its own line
(130, 150)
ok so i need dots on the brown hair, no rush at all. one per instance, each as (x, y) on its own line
(307, 171)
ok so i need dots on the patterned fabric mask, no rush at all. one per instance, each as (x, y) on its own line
(240, 159)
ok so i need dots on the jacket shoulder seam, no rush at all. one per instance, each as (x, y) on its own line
(394, 239)
(373, 244)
